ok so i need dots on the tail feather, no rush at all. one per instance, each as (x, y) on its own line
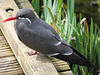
(75, 58)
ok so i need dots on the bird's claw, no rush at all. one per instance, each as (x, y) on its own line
(31, 53)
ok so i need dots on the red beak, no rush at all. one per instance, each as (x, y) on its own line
(11, 18)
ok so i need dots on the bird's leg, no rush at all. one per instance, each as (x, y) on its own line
(32, 53)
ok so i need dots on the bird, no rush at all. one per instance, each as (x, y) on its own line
(41, 37)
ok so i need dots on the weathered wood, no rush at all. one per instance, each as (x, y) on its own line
(8, 63)
(66, 73)
(6, 60)
(5, 54)
(24, 4)
(32, 65)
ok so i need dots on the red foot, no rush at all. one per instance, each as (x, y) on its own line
(31, 53)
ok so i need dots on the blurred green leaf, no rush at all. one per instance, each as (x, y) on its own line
(91, 39)
(36, 5)
(50, 12)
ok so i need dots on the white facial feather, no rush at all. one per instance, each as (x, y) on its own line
(26, 19)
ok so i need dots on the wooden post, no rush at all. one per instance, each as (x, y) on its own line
(31, 65)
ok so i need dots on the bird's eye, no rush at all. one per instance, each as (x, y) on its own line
(20, 16)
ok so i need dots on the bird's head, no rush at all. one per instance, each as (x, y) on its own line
(24, 13)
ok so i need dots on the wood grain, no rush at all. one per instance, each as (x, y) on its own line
(8, 63)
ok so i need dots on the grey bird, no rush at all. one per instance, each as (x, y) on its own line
(40, 36)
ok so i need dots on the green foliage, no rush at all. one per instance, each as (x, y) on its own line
(36, 5)
(53, 14)
(98, 2)
(87, 44)
(78, 34)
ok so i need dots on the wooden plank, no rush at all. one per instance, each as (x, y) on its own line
(7, 60)
(3, 41)
(4, 50)
(66, 73)
(2, 37)
(5, 53)
(32, 65)
(24, 4)
(9, 66)
(4, 47)
(12, 72)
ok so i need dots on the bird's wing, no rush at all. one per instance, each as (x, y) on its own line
(42, 34)
(52, 37)
(46, 32)
(54, 34)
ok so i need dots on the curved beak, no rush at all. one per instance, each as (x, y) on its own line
(11, 18)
